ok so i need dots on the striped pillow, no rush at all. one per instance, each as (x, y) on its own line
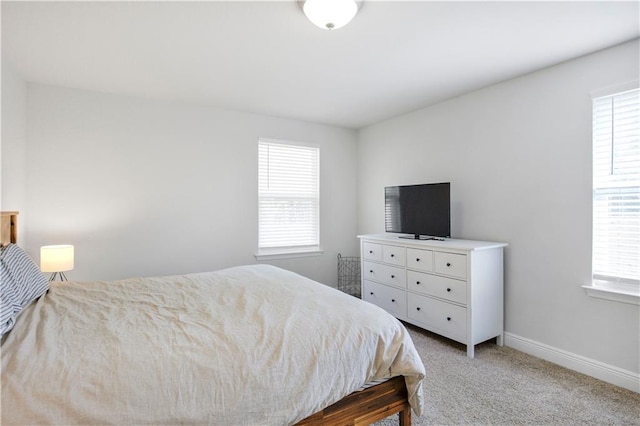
(21, 282)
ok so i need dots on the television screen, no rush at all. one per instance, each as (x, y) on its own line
(421, 210)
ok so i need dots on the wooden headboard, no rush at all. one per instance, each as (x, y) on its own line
(8, 228)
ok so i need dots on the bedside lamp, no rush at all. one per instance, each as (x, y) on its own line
(56, 259)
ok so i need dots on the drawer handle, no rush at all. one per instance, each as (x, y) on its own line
(371, 271)
(393, 276)
(393, 255)
(418, 308)
(417, 259)
(448, 265)
(448, 318)
(371, 293)
(448, 289)
(370, 251)
(393, 300)
(417, 282)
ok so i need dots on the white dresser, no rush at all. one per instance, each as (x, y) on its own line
(453, 288)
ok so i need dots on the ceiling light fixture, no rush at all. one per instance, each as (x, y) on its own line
(330, 14)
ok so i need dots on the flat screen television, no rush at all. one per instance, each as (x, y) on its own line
(424, 211)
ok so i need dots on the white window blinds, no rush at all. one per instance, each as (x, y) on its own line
(289, 196)
(616, 187)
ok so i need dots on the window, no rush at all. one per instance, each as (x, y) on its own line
(288, 198)
(616, 191)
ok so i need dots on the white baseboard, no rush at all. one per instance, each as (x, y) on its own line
(605, 372)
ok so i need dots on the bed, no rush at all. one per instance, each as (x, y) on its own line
(247, 345)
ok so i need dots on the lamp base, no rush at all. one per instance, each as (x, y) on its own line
(62, 276)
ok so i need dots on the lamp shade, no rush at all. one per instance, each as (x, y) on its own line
(330, 14)
(56, 258)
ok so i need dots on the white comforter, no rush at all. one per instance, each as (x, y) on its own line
(242, 346)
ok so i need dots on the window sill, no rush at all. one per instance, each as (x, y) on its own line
(617, 292)
(288, 253)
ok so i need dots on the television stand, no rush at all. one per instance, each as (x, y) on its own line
(420, 237)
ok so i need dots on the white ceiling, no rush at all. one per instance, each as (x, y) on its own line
(266, 57)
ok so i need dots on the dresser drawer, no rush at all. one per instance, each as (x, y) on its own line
(392, 300)
(451, 264)
(386, 274)
(372, 251)
(435, 285)
(394, 255)
(420, 259)
(442, 317)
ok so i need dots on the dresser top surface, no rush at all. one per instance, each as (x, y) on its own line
(448, 243)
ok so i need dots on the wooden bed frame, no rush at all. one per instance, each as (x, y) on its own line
(8, 228)
(367, 406)
(359, 408)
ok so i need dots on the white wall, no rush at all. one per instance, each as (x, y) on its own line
(13, 148)
(144, 187)
(518, 156)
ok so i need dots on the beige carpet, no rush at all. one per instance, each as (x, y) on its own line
(502, 386)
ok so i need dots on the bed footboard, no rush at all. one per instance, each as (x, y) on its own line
(367, 406)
